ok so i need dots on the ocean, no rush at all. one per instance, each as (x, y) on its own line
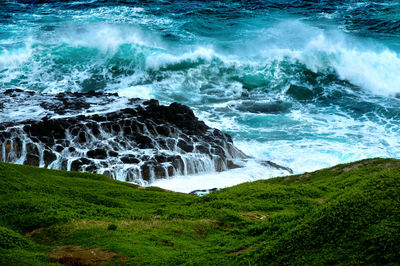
(305, 84)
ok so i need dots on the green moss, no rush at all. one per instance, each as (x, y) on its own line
(347, 214)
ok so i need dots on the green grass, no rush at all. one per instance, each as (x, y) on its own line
(348, 214)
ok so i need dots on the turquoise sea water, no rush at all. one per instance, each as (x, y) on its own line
(307, 84)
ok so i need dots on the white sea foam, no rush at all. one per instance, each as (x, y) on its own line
(332, 139)
(371, 66)
(377, 70)
(143, 92)
(107, 38)
(253, 171)
(15, 57)
(158, 60)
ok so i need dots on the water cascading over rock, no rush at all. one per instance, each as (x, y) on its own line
(126, 139)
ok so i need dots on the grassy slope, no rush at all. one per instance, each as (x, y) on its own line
(348, 214)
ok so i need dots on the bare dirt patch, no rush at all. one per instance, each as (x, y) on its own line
(35, 232)
(76, 255)
(304, 176)
(392, 164)
(352, 167)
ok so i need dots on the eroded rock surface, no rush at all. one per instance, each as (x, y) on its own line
(126, 139)
(139, 142)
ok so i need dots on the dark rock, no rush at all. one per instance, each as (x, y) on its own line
(109, 174)
(170, 170)
(127, 130)
(185, 146)
(163, 130)
(146, 170)
(48, 157)
(32, 155)
(231, 165)
(82, 137)
(159, 171)
(202, 148)
(276, 166)
(77, 164)
(151, 102)
(58, 148)
(115, 128)
(269, 107)
(113, 153)
(97, 154)
(161, 139)
(32, 159)
(130, 160)
(144, 142)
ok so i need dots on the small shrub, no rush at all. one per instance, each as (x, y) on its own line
(112, 227)
(10, 239)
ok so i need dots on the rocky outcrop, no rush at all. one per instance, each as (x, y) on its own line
(138, 141)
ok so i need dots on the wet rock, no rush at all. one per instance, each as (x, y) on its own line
(32, 159)
(144, 142)
(77, 165)
(163, 130)
(202, 148)
(147, 170)
(82, 137)
(97, 154)
(159, 171)
(156, 140)
(130, 160)
(109, 174)
(232, 165)
(127, 130)
(185, 146)
(151, 102)
(58, 148)
(170, 170)
(265, 107)
(276, 166)
(48, 157)
(113, 153)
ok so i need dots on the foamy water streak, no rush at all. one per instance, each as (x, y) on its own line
(251, 172)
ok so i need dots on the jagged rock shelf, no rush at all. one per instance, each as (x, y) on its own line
(126, 139)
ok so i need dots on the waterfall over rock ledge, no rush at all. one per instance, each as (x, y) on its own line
(126, 139)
